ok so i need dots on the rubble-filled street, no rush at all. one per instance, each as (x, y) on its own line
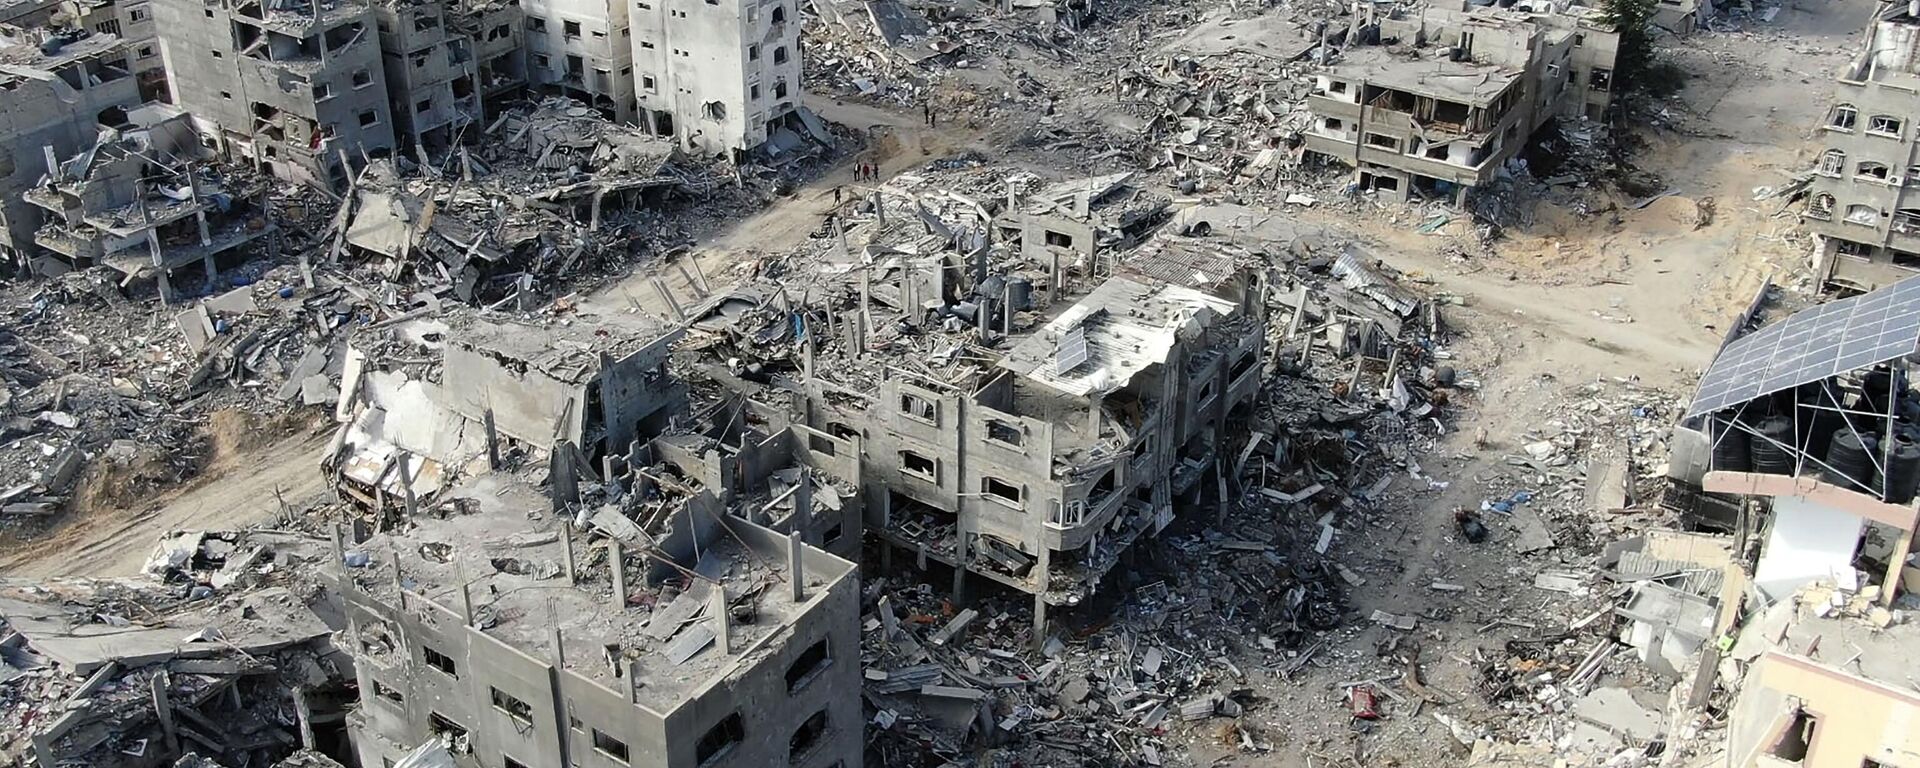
(434, 383)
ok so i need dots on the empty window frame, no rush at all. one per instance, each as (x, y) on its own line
(753, 52)
(1601, 79)
(1000, 491)
(1833, 162)
(1842, 117)
(780, 54)
(613, 748)
(512, 706)
(808, 665)
(387, 692)
(916, 465)
(1885, 125)
(570, 29)
(806, 737)
(369, 118)
(1863, 214)
(439, 661)
(362, 78)
(1004, 432)
(536, 24)
(779, 14)
(919, 408)
(1821, 206)
(719, 740)
(1796, 737)
(441, 724)
(1868, 169)
(647, 83)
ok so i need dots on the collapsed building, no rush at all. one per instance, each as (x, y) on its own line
(220, 656)
(1450, 94)
(142, 201)
(295, 88)
(62, 89)
(1866, 228)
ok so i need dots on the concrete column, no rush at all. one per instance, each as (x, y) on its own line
(1040, 566)
(961, 558)
(795, 568)
(566, 551)
(493, 440)
(803, 506)
(721, 620)
(406, 483)
(466, 603)
(617, 558)
(303, 713)
(163, 708)
(339, 550)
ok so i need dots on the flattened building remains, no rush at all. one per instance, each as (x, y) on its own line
(1449, 95)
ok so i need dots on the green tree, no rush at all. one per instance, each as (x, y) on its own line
(1633, 63)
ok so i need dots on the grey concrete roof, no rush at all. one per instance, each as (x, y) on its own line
(569, 352)
(1464, 81)
(1129, 326)
(508, 549)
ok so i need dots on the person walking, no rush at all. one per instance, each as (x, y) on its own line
(836, 195)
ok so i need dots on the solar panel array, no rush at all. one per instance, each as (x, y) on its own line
(1072, 350)
(1827, 340)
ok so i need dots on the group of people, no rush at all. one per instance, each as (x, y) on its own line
(866, 172)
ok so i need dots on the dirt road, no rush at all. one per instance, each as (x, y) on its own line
(235, 493)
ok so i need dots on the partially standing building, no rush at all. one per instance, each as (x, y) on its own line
(295, 87)
(1861, 205)
(679, 641)
(432, 72)
(582, 49)
(61, 90)
(1448, 96)
(718, 76)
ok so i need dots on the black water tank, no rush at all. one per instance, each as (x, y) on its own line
(1814, 412)
(1730, 448)
(1903, 468)
(1850, 461)
(1768, 456)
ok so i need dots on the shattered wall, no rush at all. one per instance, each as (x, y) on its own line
(290, 106)
(527, 404)
(43, 111)
(722, 72)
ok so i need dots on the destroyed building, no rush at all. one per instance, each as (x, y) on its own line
(1810, 418)
(1865, 226)
(61, 90)
(1825, 681)
(682, 639)
(583, 49)
(144, 202)
(217, 655)
(497, 29)
(719, 77)
(1450, 94)
(131, 21)
(296, 88)
(431, 71)
(579, 393)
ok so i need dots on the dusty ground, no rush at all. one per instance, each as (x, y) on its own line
(1635, 294)
(1623, 293)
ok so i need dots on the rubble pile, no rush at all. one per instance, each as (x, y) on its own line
(221, 652)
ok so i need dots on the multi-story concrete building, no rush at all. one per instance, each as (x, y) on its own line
(432, 80)
(498, 31)
(582, 48)
(1040, 472)
(293, 90)
(716, 75)
(1477, 83)
(60, 92)
(676, 641)
(1861, 205)
(129, 20)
